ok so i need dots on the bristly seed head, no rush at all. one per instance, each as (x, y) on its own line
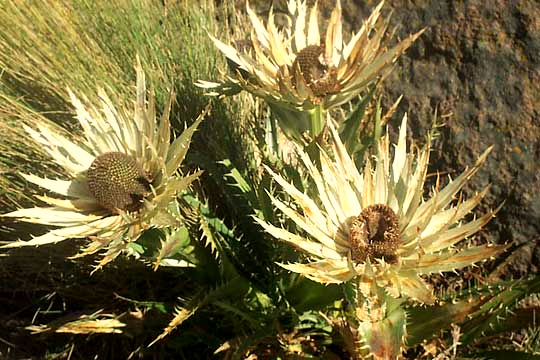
(117, 181)
(374, 234)
(319, 78)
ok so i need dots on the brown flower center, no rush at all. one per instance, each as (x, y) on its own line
(374, 234)
(321, 79)
(117, 181)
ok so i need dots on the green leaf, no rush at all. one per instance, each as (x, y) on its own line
(292, 122)
(180, 145)
(150, 305)
(480, 311)
(349, 129)
(234, 173)
(304, 294)
(176, 244)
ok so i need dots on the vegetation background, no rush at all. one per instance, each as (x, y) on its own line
(478, 62)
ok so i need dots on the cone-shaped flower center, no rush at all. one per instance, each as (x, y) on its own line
(117, 181)
(309, 64)
(374, 234)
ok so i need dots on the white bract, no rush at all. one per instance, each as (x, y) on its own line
(117, 137)
(375, 226)
(294, 66)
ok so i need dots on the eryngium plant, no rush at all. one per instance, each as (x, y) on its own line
(375, 226)
(121, 177)
(374, 232)
(294, 68)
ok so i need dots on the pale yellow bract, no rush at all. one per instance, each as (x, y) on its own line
(296, 67)
(74, 210)
(428, 229)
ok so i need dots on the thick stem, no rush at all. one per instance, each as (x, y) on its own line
(381, 324)
(317, 117)
(271, 135)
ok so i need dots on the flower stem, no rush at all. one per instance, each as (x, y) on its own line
(271, 135)
(316, 120)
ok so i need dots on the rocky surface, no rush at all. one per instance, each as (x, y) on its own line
(478, 61)
(478, 64)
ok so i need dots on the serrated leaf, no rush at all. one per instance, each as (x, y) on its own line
(479, 311)
(234, 173)
(349, 129)
(180, 145)
(175, 241)
(181, 315)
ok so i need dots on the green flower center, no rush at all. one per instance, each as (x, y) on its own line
(117, 181)
(374, 234)
(310, 65)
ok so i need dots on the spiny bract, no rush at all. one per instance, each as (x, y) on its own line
(120, 178)
(375, 226)
(295, 67)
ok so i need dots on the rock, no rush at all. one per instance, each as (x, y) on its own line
(480, 62)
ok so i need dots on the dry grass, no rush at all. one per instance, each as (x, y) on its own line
(46, 47)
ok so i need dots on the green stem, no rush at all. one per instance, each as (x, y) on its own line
(381, 324)
(316, 121)
(271, 135)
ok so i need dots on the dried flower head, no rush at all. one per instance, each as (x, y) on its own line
(117, 181)
(374, 234)
(293, 66)
(121, 177)
(376, 226)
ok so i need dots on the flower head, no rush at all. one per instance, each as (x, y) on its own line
(376, 226)
(121, 177)
(296, 67)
